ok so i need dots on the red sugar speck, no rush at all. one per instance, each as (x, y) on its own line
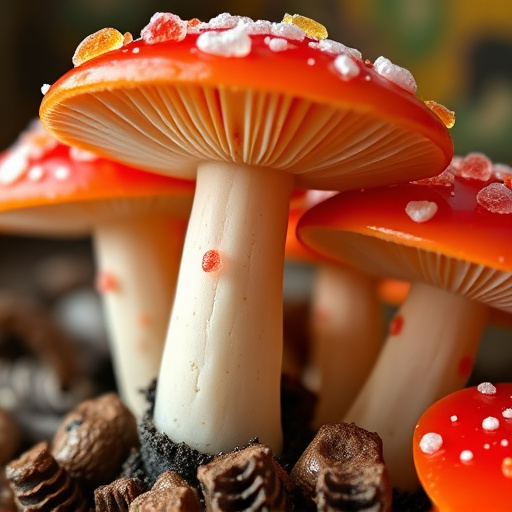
(164, 26)
(465, 366)
(106, 282)
(396, 325)
(211, 261)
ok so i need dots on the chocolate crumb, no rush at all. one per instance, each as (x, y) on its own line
(249, 479)
(94, 439)
(40, 484)
(340, 446)
(171, 493)
(117, 496)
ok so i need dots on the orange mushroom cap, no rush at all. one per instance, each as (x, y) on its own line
(47, 187)
(462, 449)
(170, 100)
(403, 231)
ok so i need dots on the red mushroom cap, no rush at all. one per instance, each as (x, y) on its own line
(405, 231)
(178, 101)
(47, 187)
(463, 449)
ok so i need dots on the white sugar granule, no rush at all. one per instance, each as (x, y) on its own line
(235, 42)
(62, 172)
(490, 423)
(396, 74)
(507, 413)
(35, 173)
(45, 88)
(431, 443)
(453, 418)
(346, 67)
(277, 44)
(486, 388)
(421, 211)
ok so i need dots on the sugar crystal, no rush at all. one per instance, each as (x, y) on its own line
(312, 28)
(226, 21)
(396, 74)
(453, 418)
(421, 211)
(504, 442)
(490, 423)
(45, 88)
(496, 198)
(164, 26)
(96, 44)
(277, 44)
(466, 456)
(287, 31)
(431, 443)
(507, 413)
(475, 166)
(486, 388)
(346, 67)
(231, 43)
(259, 27)
(335, 48)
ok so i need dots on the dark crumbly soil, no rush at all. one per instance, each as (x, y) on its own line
(158, 453)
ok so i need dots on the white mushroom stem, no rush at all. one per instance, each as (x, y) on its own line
(347, 333)
(219, 383)
(426, 359)
(138, 261)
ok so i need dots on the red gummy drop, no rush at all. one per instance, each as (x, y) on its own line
(164, 26)
(396, 325)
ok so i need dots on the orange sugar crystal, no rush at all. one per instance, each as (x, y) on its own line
(100, 42)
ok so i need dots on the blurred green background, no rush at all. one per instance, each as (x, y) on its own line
(460, 52)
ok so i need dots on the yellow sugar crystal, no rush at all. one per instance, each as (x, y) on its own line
(96, 44)
(311, 27)
(447, 116)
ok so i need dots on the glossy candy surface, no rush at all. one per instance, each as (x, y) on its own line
(463, 450)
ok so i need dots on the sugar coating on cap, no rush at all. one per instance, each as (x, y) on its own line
(234, 42)
(396, 74)
(421, 211)
(431, 443)
(335, 48)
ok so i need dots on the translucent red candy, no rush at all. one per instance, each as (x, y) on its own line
(164, 26)
(475, 166)
(100, 42)
(211, 261)
(496, 198)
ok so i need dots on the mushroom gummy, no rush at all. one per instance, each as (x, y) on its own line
(419, 232)
(249, 124)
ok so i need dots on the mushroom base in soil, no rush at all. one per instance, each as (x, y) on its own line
(219, 382)
(136, 298)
